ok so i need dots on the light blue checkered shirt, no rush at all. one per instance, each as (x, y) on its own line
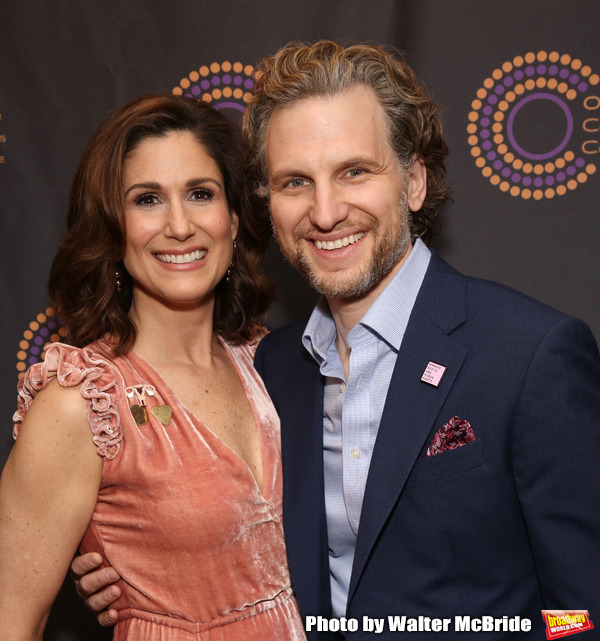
(352, 408)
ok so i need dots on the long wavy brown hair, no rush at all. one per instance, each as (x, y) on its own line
(83, 275)
(324, 69)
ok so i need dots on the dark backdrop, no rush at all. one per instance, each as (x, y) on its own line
(517, 83)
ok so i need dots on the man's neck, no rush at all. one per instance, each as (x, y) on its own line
(347, 312)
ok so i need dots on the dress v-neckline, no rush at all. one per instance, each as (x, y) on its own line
(204, 428)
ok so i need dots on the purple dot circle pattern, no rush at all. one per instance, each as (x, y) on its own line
(224, 85)
(40, 333)
(501, 159)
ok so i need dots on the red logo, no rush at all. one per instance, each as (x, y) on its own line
(562, 623)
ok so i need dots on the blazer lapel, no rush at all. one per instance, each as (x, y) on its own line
(412, 406)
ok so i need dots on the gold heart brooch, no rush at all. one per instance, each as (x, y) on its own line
(163, 412)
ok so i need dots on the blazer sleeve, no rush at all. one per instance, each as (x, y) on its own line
(556, 454)
(259, 358)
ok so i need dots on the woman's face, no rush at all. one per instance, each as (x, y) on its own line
(179, 228)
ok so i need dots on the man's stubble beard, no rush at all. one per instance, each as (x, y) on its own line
(388, 250)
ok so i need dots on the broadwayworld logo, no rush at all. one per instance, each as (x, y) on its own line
(562, 623)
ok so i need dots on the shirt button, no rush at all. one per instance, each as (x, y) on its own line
(355, 453)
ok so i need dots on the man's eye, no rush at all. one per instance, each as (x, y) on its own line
(201, 194)
(297, 182)
(355, 171)
(146, 199)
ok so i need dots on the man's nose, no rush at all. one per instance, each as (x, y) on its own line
(328, 207)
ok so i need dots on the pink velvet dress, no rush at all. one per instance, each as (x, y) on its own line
(179, 516)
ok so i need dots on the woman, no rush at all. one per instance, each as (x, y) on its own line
(152, 440)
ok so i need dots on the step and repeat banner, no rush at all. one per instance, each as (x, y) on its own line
(517, 83)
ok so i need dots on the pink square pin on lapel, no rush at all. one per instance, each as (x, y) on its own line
(433, 374)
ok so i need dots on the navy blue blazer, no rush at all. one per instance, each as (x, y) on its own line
(506, 525)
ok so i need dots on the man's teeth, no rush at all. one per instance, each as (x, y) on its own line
(340, 242)
(182, 258)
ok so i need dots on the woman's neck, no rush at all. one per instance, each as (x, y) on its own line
(173, 333)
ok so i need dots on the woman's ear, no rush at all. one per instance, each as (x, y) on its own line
(235, 222)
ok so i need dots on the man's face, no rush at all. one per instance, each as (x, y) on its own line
(339, 199)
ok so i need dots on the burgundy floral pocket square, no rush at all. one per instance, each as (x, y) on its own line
(455, 433)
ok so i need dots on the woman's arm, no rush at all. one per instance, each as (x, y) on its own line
(48, 491)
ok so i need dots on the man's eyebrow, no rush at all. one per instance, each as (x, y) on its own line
(359, 161)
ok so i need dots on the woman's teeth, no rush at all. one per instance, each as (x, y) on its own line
(194, 257)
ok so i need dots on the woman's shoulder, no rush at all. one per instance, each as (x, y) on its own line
(89, 370)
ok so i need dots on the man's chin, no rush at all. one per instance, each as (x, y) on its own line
(344, 287)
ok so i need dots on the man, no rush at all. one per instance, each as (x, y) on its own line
(439, 433)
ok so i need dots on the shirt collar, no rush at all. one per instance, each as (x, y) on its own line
(388, 315)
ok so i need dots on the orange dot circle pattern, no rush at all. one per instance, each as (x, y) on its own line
(224, 84)
(493, 146)
(41, 332)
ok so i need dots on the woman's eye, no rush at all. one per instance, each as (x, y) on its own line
(201, 194)
(146, 199)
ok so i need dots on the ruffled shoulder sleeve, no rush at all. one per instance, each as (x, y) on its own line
(97, 379)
